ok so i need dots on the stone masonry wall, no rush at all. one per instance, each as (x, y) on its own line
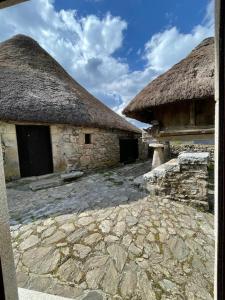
(70, 151)
(175, 150)
(183, 179)
(10, 152)
(143, 148)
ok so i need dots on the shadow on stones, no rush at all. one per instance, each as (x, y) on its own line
(94, 191)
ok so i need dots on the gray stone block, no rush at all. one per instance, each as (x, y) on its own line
(183, 179)
(200, 158)
(71, 176)
(45, 184)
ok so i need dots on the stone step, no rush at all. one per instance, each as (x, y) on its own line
(33, 179)
(49, 182)
(71, 176)
(45, 184)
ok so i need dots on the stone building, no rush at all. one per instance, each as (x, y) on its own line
(179, 104)
(50, 123)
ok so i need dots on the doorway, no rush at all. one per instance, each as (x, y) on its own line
(34, 149)
(128, 150)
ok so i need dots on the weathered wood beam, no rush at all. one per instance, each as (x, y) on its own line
(186, 134)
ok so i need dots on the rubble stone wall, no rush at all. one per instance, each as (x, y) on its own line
(176, 149)
(69, 149)
(71, 153)
(183, 179)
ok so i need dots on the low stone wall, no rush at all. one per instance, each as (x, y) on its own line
(183, 179)
(176, 149)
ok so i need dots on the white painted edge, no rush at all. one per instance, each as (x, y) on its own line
(25, 294)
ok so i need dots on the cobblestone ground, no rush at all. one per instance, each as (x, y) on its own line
(135, 247)
(102, 189)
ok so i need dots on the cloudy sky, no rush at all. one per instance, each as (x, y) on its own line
(113, 47)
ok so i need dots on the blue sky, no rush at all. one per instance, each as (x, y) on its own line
(144, 19)
(113, 47)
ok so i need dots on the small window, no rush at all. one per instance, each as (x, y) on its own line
(87, 138)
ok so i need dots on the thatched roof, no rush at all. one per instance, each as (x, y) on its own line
(35, 88)
(7, 3)
(190, 79)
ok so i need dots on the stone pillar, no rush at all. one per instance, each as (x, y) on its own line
(158, 155)
(6, 253)
(167, 151)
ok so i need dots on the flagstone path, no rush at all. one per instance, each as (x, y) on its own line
(138, 248)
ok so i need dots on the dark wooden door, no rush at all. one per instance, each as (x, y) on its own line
(34, 149)
(128, 150)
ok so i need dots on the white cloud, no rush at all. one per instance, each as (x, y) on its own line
(162, 51)
(85, 47)
(167, 48)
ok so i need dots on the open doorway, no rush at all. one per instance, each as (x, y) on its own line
(34, 149)
(128, 150)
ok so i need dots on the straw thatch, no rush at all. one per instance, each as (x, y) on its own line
(191, 79)
(7, 3)
(35, 88)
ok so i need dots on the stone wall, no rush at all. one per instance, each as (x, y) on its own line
(183, 179)
(10, 152)
(176, 149)
(70, 151)
(143, 148)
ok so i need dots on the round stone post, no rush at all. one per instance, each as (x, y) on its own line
(158, 155)
(6, 254)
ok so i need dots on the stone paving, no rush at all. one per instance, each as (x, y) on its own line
(97, 190)
(135, 247)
